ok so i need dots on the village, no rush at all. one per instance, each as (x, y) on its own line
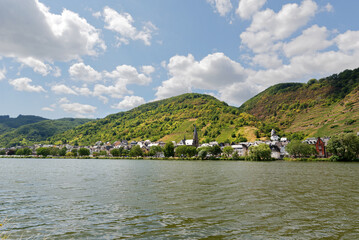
(276, 144)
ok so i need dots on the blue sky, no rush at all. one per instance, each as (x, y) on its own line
(93, 58)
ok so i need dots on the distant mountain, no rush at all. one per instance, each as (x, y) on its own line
(7, 123)
(318, 108)
(166, 120)
(38, 132)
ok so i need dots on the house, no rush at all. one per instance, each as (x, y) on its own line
(274, 136)
(276, 151)
(241, 149)
(320, 146)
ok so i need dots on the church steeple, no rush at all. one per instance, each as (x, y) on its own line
(195, 137)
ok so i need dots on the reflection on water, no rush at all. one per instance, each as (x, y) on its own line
(115, 199)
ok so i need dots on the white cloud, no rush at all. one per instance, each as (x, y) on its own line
(211, 73)
(62, 89)
(348, 41)
(77, 108)
(23, 84)
(47, 109)
(123, 24)
(222, 6)
(37, 65)
(57, 72)
(247, 8)
(267, 60)
(29, 29)
(2, 73)
(129, 102)
(148, 70)
(64, 100)
(114, 91)
(86, 73)
(312, 39)
(329, 7)
(84, 91)
(268, 26)
(129, 75)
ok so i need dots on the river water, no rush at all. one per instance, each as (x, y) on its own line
(136, 199)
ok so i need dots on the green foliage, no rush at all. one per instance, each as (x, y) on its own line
(169, 150)
(297, 148)
(116, 152)
(84, 152)
(154, 150)
(63, 151)
(136, 151)
(215, 150)
(227, 150)
(186, 151)
(74, 152)
(39, 131)
(262, 152)
(164, 120)
(203, 154)
(345, 147)
(43, 151)
(2, 152)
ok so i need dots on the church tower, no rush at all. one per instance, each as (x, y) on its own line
(195, 137)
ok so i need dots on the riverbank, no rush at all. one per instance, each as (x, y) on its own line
(173, 158)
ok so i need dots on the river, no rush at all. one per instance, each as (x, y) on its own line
(138, 199)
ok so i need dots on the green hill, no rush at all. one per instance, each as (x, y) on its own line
(38, 132)
(168, 120)
(319, 108)
(7, 123)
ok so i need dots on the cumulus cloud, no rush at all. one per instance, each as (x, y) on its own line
(148, 70)
(268, 26)
(211, 73)
(329, 7)
(24, 84)
(122, 23)
(86, 73)
(29, 29)
(312, 39)
(118, 90)
(47, 109)
(267, 60)
(129, 75)
(37, 65)
(62, 89)
(247, 8)
(129, 102)
(2, 73)
(222, 6)
(78, 108)
(348, 41)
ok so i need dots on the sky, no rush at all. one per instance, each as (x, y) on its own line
(93, 58)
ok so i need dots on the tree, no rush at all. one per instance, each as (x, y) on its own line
(169, 150)
(262, 152)
(27, 151)
(2, 152)
(74, 152)
(43, 151)
(154, 150)
(19, 152)
(202, 153)
(84, 152)
(54, 151)
(186, 151)
(115, 152)
(63, 151)
(297, 148)
(344, 146)
(136, 151)
(228, 150)
(215, 150)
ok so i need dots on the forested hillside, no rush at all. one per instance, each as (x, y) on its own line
(169, 120)
(38, 132)
(318, 108)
